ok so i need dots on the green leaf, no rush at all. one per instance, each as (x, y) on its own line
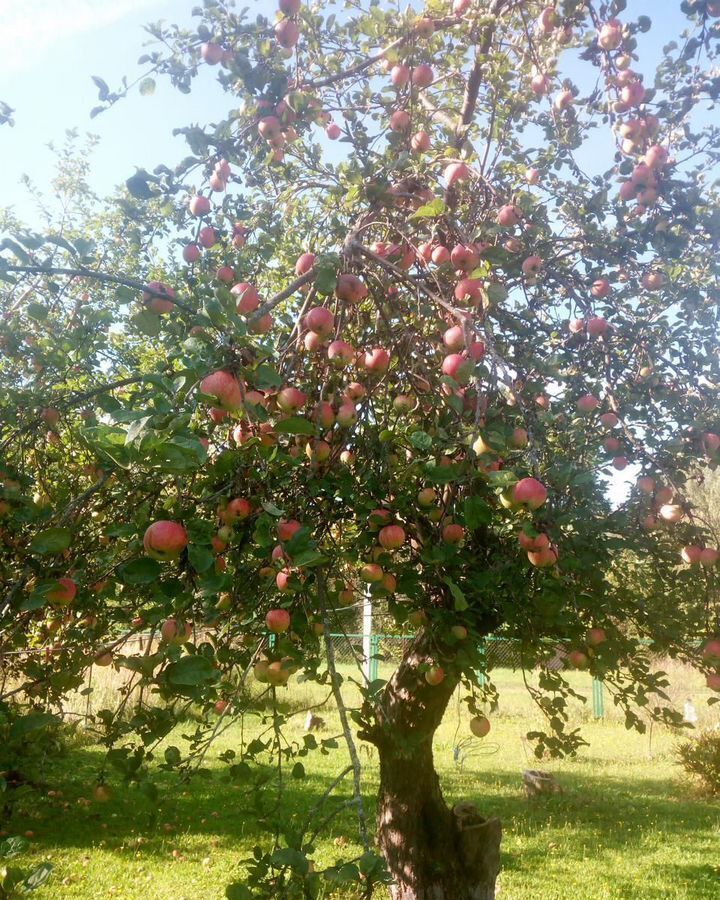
(147, 323)
(272, 509)
(137, 186)
(266, 377)
(461, 603)
(238, 891)
(173, 756)
(54, 540)
(295, 425)
(430, 210)
(137, 430)
(32, 722)
(293, 859)
(298, 770)
(308, 558)
(201, 558)
(496, 292)
(477, 513)
(420, 440)
(326, 280)
(13, 846)
(37, 311)
(147, 87)
(102, 86)
(38, 877)
(125, 294)
(140, 571)
(191, 671)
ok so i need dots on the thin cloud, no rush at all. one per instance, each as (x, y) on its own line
(27, 30)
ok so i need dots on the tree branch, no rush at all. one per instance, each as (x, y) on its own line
(96, 276)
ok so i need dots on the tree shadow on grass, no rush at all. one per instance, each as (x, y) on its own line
(605, 814)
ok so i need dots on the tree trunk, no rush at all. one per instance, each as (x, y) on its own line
(433, 852)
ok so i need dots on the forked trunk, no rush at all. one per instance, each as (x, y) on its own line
(433, 852)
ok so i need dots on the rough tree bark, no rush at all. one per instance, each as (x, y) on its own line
(432, 851)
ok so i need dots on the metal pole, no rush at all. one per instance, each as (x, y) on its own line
(598, 698)
(367, 641)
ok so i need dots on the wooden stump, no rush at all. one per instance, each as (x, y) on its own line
(536, 782)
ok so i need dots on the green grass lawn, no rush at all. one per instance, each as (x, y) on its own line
(627, 826)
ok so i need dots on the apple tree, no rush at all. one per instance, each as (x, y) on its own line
(392, 326)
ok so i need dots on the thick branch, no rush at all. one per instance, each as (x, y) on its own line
(103, 277)
(472, 89)
(282, 295)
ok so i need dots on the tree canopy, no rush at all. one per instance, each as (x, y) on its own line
(387, 328)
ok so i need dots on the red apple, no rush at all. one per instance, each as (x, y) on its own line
(691, 554)
(671, 512)
(420, 142)
(610, 35)
(377, 360)
(530, 492)
(646, 484)
(578, 660)
(435, 675)
(340, 354)
(453, 533)
(456, 172)
(422, 76)
(211, 53)
(400, 75)
(304, 263)
(320, 320)
(480, 726)
(287, 33)
(287, 528)
(191, 253)
(64, 593)
(157, 304)
(399, 120)
(290, 399)
(236, 510)
(542, 559)
(165, 540)
(458, 367)
(223, 386)
(596, 326)
(199, 206)
(371, 573)
(277, 620)
(391, 537)
(709, 556)
(587, 404)
(595, 636)
(225, 274)
(248, 297)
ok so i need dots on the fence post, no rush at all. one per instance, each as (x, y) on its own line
(374, 650)
(367, 637)
(598, 698)
(481, 677)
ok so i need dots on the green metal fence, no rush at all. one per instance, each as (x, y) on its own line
(499, 654)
